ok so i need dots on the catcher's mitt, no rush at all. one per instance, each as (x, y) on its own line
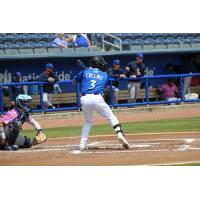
(39, 138)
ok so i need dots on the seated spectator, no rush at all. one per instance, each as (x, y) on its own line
(115, 72)
(81, 40)
(60, 41)
(169, 90)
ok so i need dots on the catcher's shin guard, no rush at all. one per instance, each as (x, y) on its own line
(12, 136)
(27, 142)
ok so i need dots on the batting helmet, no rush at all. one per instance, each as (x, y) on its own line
(97, 61)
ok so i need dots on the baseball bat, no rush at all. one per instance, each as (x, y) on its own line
(81, 64)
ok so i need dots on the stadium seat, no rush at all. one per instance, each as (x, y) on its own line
(1, 46)
(119, 35)
(148, 47)
(41, 37)
(12, 52)
(148, 44)
(81, 49)
(160, 46)
(93, 39)
(26, 51)
(51, 37)
(195, 45)
(172, 46)
(35, 45)
(159, 41)
(180, 39)
(54, 50)
(31, 37)
(2, 38)
(44, 44)
(137, 42)
(66, 51)
(125, 36)
(20, 38)
(2, 52)
(136, 47)
(188, 40)
(9, 45)
(171, 40)
(94, 49)
(21, 45)
(8, 38)
(126, 44)
(40, 51)
(196, 39)
(156, 35)
(148, 41)
(184, 45)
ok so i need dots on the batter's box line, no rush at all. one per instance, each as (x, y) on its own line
(128, 134)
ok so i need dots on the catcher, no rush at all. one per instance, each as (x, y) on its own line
(11, 125)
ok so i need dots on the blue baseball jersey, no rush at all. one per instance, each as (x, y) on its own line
(93, 80)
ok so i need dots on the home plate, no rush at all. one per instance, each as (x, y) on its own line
(76, 152)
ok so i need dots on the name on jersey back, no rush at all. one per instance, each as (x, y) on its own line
(95, 76)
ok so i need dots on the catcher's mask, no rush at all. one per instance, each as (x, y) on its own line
(23, 102)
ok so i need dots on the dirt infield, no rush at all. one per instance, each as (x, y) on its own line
(145, 149)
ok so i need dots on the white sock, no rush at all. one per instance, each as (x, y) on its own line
(86, 130)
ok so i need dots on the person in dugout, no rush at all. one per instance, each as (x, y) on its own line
(11, 124)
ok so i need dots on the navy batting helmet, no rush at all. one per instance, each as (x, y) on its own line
(97, 61)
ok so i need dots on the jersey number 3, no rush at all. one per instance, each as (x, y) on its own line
(92, 83)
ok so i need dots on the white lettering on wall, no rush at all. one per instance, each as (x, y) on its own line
(149, 72)
(6, 76)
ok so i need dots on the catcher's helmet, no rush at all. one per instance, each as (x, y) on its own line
(22, 101)
(97, 61)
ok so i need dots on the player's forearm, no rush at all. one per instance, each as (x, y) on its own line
(2, 135)
(35, 124)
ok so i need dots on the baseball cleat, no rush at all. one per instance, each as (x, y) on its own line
(82, 148)
(82, 145)
(123, 141)
(13, 147)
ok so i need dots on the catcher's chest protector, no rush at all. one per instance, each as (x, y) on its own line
(13, 121)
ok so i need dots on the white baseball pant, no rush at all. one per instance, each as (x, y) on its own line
(91, 103)
(133, 88)
(186, 85)
(47, 100)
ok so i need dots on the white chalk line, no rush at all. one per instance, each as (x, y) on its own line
(104, 145)
(174, 163)
(128, 134)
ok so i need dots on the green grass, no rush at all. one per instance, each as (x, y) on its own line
(173, 125)
(188, 164)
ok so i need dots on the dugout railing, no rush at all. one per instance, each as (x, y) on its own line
(76, 97)
(41, 103)
(147, 99)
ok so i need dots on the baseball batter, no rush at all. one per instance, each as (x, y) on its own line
(93, 81)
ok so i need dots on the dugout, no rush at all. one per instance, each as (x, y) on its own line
(66, 67)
